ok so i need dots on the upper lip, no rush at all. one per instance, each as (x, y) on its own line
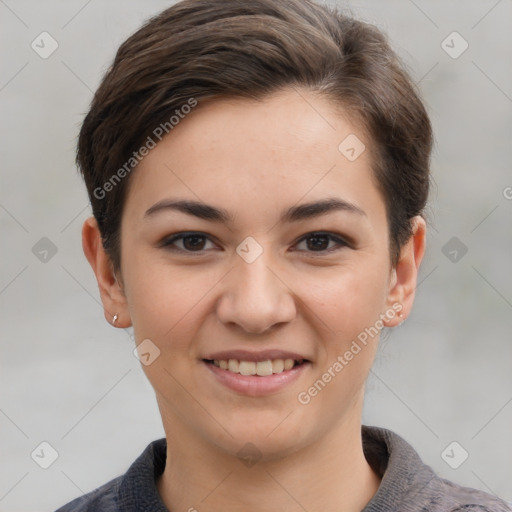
(246, 355)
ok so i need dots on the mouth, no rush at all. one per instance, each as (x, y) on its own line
(256, 368)
(256, 374)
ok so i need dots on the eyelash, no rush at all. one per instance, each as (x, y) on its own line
(168, 242)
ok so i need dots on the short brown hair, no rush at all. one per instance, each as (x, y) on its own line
(199, 49)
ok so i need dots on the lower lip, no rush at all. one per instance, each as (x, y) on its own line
(254, 385)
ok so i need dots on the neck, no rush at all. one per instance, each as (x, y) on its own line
(331, 475)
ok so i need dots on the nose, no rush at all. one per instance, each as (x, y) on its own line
(255, 297)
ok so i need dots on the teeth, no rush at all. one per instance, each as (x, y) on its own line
(277, 366)
(247, 368)
(288, 364)
(264, 368)
(261, 368)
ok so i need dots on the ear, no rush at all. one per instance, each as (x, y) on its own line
(112, 294)
(404, 276)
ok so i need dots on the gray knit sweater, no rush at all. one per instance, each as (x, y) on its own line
(407, 484)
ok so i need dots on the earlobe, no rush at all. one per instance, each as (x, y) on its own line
(111, 292)
(405, 274)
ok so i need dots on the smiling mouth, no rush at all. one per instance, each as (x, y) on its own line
(259, 368)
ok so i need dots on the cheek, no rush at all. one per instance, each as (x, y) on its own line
(165, 301)
(348, 306)
(347, 299)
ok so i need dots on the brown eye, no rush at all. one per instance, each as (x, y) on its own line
(319, 242)
(193, 242)
(186, 242)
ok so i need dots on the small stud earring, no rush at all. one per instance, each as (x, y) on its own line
(114, 319)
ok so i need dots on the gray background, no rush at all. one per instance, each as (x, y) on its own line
(70, 379)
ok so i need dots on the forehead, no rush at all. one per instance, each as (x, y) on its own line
(281, 148)
(287, 125)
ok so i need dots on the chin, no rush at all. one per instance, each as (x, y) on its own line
(266, 440)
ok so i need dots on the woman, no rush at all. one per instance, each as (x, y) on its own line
(258, 172)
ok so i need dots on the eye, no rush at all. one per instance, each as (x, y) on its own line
(186, 242)
(196, 242)
(319, 242)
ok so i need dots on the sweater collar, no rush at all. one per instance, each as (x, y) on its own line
(404, 476)
(406, 480)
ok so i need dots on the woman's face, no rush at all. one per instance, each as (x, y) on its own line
(251, 283)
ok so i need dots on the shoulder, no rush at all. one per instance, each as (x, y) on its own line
(135, 491)
(102, 499)
(409, 485)
(465, 499)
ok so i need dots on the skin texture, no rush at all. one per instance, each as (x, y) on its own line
(256, 159)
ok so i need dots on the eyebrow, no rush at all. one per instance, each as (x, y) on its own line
(292, 214)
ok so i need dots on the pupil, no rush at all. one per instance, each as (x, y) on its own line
(322, 245)
(193, 245)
